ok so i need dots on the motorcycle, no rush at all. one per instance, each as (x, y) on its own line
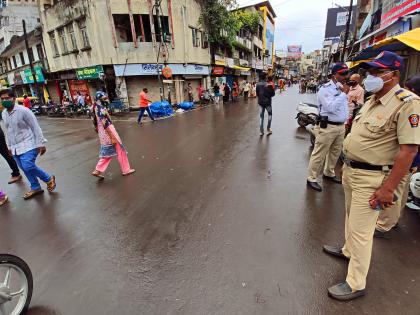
(16, 285)
(307, 114)
(206, 97)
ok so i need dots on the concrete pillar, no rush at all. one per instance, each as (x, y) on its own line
(121, 89)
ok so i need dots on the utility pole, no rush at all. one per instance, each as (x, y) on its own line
(346, 34)
(161, 43)
(38, 92)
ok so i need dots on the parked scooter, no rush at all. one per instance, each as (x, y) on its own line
(307, 114)
(206, 97)
(16, 285)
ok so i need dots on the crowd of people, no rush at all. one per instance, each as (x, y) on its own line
(378, 153)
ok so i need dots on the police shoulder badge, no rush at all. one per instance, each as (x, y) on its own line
(414, 120)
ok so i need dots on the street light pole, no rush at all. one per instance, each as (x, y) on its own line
(346, 34)
(31, 65)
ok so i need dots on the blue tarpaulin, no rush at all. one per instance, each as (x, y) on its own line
(160, 109)
(186, 105)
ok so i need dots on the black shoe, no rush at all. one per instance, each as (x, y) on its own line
(380, 234)
(343, 292)
(334, 251)
(314, 185)
(333, 179)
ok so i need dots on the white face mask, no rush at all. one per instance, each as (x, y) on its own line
(375, 84)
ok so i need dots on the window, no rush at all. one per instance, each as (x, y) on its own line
(142, 26)
(195, 37)
(31, 54)
(14, 62)
(54, 44)
(22, 58)
(123, 28)
(40, 52)
(205, 41)
(73, 41)
(63, 40)
(84, 33)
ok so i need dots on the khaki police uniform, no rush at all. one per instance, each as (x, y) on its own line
(377, 132)
(328, 141)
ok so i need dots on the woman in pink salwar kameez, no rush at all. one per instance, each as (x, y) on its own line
(111, 144)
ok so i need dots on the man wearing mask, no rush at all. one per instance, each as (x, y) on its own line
(25, 142)
(330, 131)
(356, 93)
(379, 151)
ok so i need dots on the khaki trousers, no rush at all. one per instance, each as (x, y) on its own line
(389, 218)
(360, 223)
(328, 146)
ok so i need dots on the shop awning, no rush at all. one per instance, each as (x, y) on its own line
(241, 68)
(399, 42)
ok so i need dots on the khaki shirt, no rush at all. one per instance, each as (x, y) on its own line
(382, 125)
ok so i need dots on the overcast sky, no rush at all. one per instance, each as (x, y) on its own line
(300, 22)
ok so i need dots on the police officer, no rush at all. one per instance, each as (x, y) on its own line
(330, 131)
(379, 151)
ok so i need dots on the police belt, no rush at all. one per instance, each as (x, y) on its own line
(366, 166)
(333, 123)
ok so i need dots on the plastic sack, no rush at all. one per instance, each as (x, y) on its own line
(161, 109)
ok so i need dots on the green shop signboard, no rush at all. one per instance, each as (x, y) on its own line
(89, 72)
(27, 76)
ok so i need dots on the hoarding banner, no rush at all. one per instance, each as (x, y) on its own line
(294, 51)
(400, 10)
(28, 77)
(336, 21)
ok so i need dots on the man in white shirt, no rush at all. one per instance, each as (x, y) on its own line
(330, 131)
(25, 142)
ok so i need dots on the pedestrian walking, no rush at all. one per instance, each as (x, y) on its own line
(144, 103)
(3, 198)
(253, 90)
(216, 90)
(330, 131)
(265, 92)
(81, 100)
(247, 88)
(25, 142)
(111, 144)
(379, 152)
(235, 91)
(4, 151)
(200, 90)
(190, 92)
(26, 101)
(226, 94)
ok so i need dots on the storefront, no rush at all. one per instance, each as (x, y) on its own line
(133, 78)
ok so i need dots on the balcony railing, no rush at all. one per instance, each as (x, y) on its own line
(257, 42)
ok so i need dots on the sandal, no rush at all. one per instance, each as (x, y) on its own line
(32, 193)
(51, 184)
(98, 174)
(4, 200)
(129, 172)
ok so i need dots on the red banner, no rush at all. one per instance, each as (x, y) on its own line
(218, 70)
(404, 8)
(82, 87)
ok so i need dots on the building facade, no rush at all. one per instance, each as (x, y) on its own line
(12, 12)
(15, 71)
(252, 52)
(115, 45)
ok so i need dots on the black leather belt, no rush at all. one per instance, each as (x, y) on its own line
(367, 166)
(335, 123)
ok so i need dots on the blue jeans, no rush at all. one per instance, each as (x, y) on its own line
(270, 117)
(141, 113)
(26, 163)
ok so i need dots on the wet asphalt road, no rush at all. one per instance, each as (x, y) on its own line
(216, 220)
